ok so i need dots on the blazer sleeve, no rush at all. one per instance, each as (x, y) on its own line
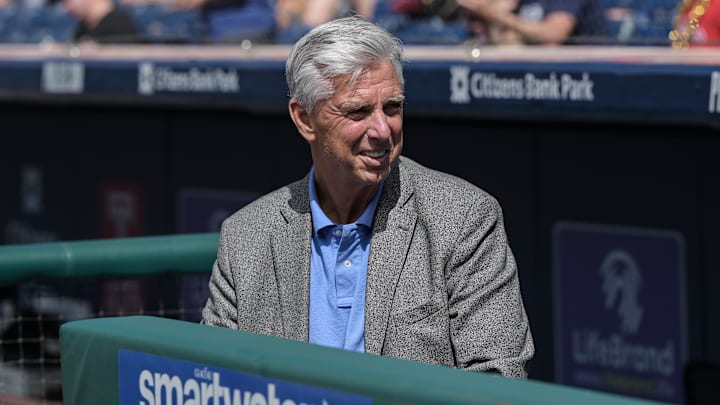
(488, 324)
(221, 306)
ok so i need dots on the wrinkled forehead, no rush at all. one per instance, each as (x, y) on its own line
(379, 76)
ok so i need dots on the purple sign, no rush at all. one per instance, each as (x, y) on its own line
(620, 318)
(204, 210)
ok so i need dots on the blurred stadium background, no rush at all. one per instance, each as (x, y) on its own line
(634, 22)
(174, 133)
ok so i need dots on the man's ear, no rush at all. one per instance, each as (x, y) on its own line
(301, 118)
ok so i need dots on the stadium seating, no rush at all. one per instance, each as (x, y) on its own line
(21, 25)
(641, 22)
(160, 24)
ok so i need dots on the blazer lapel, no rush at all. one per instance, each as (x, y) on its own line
(391, 236)
(291, 250)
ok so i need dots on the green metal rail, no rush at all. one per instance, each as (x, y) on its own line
(109, 257)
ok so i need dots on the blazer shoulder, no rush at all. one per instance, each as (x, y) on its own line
(265, 212)
(444, 189)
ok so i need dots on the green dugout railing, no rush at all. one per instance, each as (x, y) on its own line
(108, 257)
(145, 360)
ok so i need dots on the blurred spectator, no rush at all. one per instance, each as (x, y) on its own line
(422, 22)
(697, 24)
(315, 12)
(101, 21)
(445, 9)
(27, 4)
(545, 21)
(235, 20)
(493, 32)
(228, 20)
(289, 12)
(295, 18)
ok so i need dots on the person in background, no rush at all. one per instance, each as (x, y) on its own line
(100, 21)
(445, 9)
(370, 251)
(230, 21)
(294, 18)
(492, 32)
(27, 4)
(235, 20)
(697, 24)
(549, 22)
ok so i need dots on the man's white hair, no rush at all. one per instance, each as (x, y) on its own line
(343, 46)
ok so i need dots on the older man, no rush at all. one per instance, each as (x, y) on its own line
(370, 251)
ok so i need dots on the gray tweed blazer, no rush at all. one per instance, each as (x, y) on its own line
(442, 283)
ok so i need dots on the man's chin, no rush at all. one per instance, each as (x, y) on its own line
(374, 177)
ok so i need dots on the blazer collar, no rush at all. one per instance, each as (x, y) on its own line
(291, 250)
(392, 232)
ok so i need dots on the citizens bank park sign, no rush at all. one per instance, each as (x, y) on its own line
(466, 85)
(620, 312)
(546, 90)
(147, 379)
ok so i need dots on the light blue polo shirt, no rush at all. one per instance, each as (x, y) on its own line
(338, 272)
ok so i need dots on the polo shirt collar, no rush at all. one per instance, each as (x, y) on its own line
(320, 220)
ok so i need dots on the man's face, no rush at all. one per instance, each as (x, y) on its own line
(357, 134)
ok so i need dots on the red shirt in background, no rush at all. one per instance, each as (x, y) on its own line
(708, 30)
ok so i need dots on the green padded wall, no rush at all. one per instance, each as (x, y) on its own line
(90, 348)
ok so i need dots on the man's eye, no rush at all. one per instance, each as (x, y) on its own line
(393, 108)
(357, 114)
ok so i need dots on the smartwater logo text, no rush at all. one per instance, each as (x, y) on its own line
(154, 387)
(147, 379)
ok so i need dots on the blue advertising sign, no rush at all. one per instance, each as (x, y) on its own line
(147, 379)
(620, 318)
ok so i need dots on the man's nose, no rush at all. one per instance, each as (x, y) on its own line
(379, 127)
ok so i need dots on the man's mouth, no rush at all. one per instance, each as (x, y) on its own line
(374, 154)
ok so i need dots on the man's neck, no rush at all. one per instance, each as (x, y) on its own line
(343, 203)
